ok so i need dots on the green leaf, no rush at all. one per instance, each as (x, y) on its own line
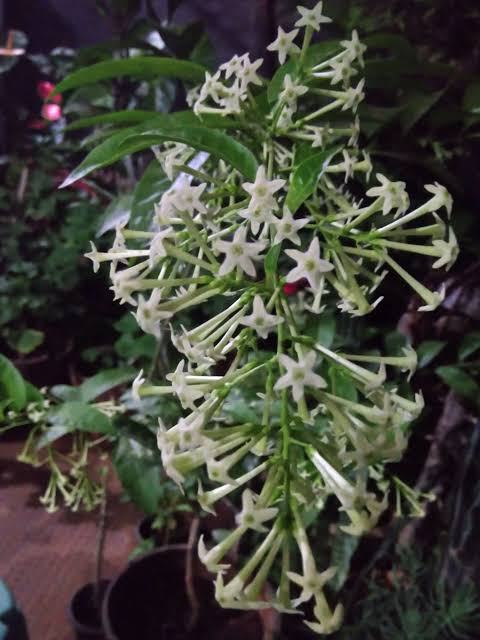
(148, 191)
(341, 384)
(33, 394)
(105, 381)
(212, 141)
(54, 432)
(458, 380)
(65, 392)
(306, 176)
(139, 472)
(343, 547)
(117, 117)
(29, 340)
(316, 53)
(469, 345)
(325, 326)
(78, 415)
(471, 98)
(111, 149)
(417, 106)
(12, 385)
(428, 351)
(138, 67)
(271, 261)
(117, 212)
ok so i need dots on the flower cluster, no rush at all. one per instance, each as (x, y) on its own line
(247, 241)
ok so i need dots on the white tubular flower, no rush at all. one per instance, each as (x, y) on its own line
(309, 265)
(442, 197)
(189, 431)
(299, 375)
(354, 49)
(291, 91)
(136, 385)
(437, 297)
(211, 558)
(94, 256)
(342, 71)
(328, 621)
(393, 194)
(318, 136)
(262, 190)
(148, 316)
(157, 248)
(284, 44)
(232, 66)
(256, 216)
(248, 72)
(187, 198)
(449, 251)
(347, 165)
(353, 97)
(226, 595)
(260, 320)
(187, 394)
(239, 253)
(311, 582)
(287, 227)
(251, 516)
(312, 17)
(285, 119)
(353, 141)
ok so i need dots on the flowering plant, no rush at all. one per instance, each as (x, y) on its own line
(261, 220)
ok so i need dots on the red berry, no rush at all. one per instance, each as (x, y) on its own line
(51, 112)
(44, 89)
(290, 288)
(36, 124)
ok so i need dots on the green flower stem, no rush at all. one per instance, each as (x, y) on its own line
(191, 298)
(176, 252)
(154, 390)
(413, 215)
(153, 283)
(196, 234)
(324, 65)
(412, 248)
(422, 291)
(436, 230)
(364, 214)
(200, 175)
(130, 233)
(359, 372)
(317, 114)
(307, 38)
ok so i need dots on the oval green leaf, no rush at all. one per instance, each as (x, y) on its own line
(139, 67)
(111, 149)
(135, 116)
(306, 176)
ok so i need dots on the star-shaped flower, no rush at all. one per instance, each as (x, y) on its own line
(148, 315)
(312, 17)
(354, 48)
(239, 253)
(353, 97)
(309, 265)
(311, 582)
(291, 91)
(260, 320)
(248, 73)
(442, 197)
(449, 251)
(256, 216)
(328, 621)
(251, 516)
(299, 375)
(187, 394)
(288, 227)
(262, 190)
(284, 44)
(394, 195)
(342, 71)
(136, 385)
(157, 247)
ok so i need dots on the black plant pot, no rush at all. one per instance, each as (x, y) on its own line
(148, 601)
(85, 617)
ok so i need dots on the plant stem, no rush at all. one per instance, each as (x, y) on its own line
(189, 584)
